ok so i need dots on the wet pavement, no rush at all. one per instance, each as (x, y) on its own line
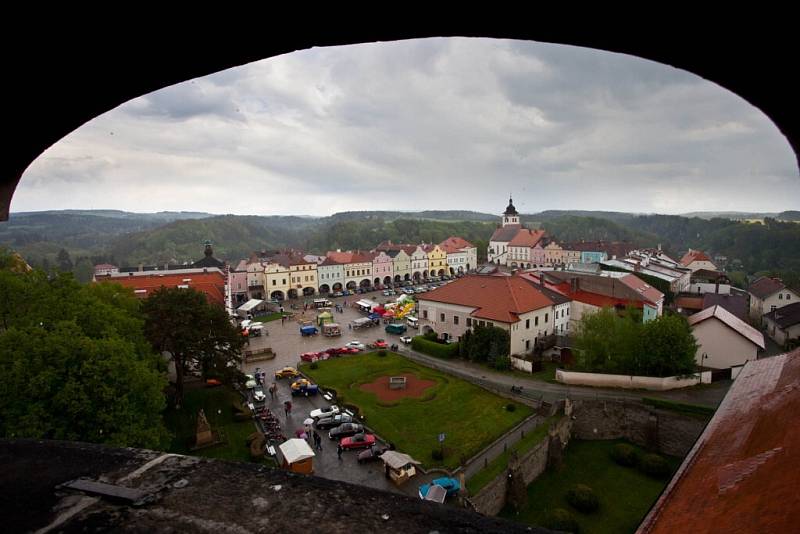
(287, 343)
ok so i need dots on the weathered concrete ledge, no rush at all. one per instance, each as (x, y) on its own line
(189, 494)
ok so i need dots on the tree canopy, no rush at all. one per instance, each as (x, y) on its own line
(489, 344)
(76, 365)
(609, 342)
(184, 324)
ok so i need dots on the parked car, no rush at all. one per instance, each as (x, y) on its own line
(250, 381)
(313, 356)
(381, 344)
(321, 413)
(396, 328)
(408, 291)
(336, 420)
(258, 394)
(337, 294)
(370, 455)
(450, 485)
(356, 345)
(309, 331)
(358, 441)
(290, 372)
(301, 386)
(406, 339)
(344, 430)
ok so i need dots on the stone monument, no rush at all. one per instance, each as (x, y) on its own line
(204, 435)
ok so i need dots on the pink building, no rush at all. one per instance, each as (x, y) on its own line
(382, 270)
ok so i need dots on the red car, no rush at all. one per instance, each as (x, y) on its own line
(381, 344)
(313, 356)
(349, 350)
(359, 441)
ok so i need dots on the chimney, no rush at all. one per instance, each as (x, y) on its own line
(141, 267)
(716, 287)
(166, 266)
(541, 278)
(573, 284)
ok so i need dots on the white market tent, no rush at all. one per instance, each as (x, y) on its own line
(248, 306)
(397, 460)
(296, 450)
(436, 493)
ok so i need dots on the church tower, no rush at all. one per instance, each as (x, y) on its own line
(510, 216)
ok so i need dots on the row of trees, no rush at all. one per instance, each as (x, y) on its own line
(84, 362)
(609, 342)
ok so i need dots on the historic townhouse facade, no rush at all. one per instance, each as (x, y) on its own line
(462, 256)
(382, 269)
(401, 265)
(331, 276)
(277, 281)
(419, 263)
(437, 260)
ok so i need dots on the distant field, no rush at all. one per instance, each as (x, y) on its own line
(470, 417)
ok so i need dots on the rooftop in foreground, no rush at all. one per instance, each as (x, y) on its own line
(189, 494)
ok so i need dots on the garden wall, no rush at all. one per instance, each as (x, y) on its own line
(630, 382)
(492, 497)
(664, 431)
(522, 365)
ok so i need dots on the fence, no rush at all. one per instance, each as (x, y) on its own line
(630, 381)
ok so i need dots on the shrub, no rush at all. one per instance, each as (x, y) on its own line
(314, 365)
(562, 520)
(583, 499)
(510, 407)
(502, 363)
(625, 455)
(439, 350)
(654, 466)
(382, 353)
(437, 455)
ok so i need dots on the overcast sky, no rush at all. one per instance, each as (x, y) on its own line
(425, 124)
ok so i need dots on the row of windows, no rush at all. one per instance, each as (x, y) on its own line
(788, 296)
(296, 279)
(359, 272)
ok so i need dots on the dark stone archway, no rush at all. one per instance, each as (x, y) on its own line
(337, 286)
(324, 289)
(277, 295)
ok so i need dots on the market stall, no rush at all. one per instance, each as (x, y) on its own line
(399, 466)
(298, 457)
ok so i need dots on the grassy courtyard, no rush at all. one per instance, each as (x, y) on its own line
(625, 493)
(470, 417)
(183, 424)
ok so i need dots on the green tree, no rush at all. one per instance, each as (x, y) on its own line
(182, 323)
(76, 364)
(608, 342)
(668, 347)
(63, 261)
(485, 344)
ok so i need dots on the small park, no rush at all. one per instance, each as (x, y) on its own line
(432, 403)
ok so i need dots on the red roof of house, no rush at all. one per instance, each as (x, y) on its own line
(526, 238)
(647, 291)
(454, 244)
(742, 473)
(689, 303)
(693, 255)
(505, 233)
(104, 267)
(498, 298)
(211, 283)
(765, 286)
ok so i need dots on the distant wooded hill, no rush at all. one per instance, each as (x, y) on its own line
(128, 239)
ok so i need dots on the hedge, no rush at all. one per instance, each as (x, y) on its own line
(583, 499)
(561, 520)
(681, 407)
(439, 350)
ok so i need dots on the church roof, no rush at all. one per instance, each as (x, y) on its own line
(510, 209)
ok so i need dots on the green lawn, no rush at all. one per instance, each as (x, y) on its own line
(625, 493)
(499, 464)
(183, 424)
(470, 417)
(267, 318)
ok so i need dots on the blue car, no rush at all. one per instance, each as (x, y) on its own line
(450, 485)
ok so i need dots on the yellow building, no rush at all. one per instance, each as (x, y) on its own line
(437, 260)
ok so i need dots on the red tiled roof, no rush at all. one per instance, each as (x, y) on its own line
(689, 303)
(104, 266)
(693, 255)
(526, 238)
(730, 320)
(647, 291)
(212, 284)
(454, 244)
(742, 473)
(498, 298)
(765, 286)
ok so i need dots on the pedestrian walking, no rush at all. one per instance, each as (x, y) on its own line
(272, 389)
(287, 408)
(317, 441)
(339, 451)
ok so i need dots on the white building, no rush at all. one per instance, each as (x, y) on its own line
(696, 260)
(507, 302)
(769, 294)
(462, 256)
(331, 276)
(723, 339)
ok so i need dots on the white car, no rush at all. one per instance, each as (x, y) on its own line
(258, 394)
(356, 345)
(406, 339)
(325, 412)
(250, 381)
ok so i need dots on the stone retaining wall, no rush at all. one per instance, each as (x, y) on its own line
(631, 382)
